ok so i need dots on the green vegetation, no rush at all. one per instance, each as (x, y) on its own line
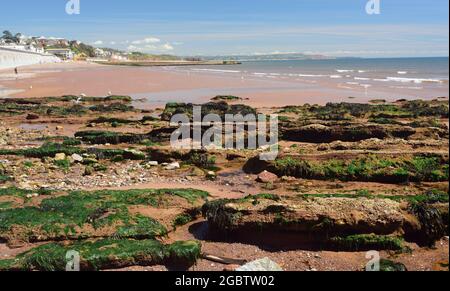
(48, 149)
(376, 111)
(4, 205)
(226, 98)
(28, 164)
(104, 137)
(390, 266)
(429, 197)
(431, 221)
(182, 219)
(106, 254)
(368, 168)
(4, 178)
(365, 242)
(139, 56)
(82, 214)
(114, 107)
(112, 120)
(21, 193)
(200, 159)
(219, 108)
(68, 141)
(72, 105)
(62, 164)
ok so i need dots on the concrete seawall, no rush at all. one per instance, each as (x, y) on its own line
(11, 58)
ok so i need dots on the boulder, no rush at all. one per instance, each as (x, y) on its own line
(317, 133)
(60, 157)
(77, 158)
(32, 116)
(173, 166)
(267, 177)
(262, 265)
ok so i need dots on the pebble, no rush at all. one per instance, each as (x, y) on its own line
(173, 166)
(60, 157)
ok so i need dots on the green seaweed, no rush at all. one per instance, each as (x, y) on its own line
(105, 254)
(98, 209)
(365, 242)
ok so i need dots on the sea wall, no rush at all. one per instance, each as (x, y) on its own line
(11, 58)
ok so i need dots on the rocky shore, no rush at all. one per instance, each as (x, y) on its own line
(99, 176)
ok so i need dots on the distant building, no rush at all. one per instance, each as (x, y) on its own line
(117, 57)
(51, 41)
(62, 53)
(102, 53)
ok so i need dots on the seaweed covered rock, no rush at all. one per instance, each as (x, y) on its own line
(104, 137)
(321, 216)
(369, 168)
(430, 225)
(317, 133)
(346, 223)
(105, 254)
(220, 108)
(107, 213)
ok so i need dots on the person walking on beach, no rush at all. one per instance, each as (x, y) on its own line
(16, 72)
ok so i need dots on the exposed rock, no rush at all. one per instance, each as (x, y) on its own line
(88, 171)
(60, 156)
(77, 158)
(317, 133)
(261, 265)
(211, 175)
(32, 116)
(267, 177)
(173, 166)
(317, 215)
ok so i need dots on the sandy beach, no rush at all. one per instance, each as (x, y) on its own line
(159, 85)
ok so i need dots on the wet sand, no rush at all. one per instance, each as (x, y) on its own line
(159, 85)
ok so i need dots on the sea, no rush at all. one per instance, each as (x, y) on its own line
(390, 78)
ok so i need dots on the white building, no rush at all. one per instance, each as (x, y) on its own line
(63, 53)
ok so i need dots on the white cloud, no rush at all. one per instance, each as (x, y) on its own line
(167, 47)
(151, 48)
(98, 42)
(147, 40)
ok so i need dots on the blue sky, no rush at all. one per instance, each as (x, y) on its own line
(211, 27)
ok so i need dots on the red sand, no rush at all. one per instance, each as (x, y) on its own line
(101, 80)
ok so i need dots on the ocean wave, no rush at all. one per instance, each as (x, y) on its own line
(216, 70)
(361, 79)
(345, 71)
(402, 72)
(403, 87)
(413, 80)
(310, 76)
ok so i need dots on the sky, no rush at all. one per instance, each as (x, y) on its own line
(343, 28)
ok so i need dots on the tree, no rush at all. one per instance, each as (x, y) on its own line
(10, 38)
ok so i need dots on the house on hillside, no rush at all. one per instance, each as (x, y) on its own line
(51, 42)
(62, 53)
